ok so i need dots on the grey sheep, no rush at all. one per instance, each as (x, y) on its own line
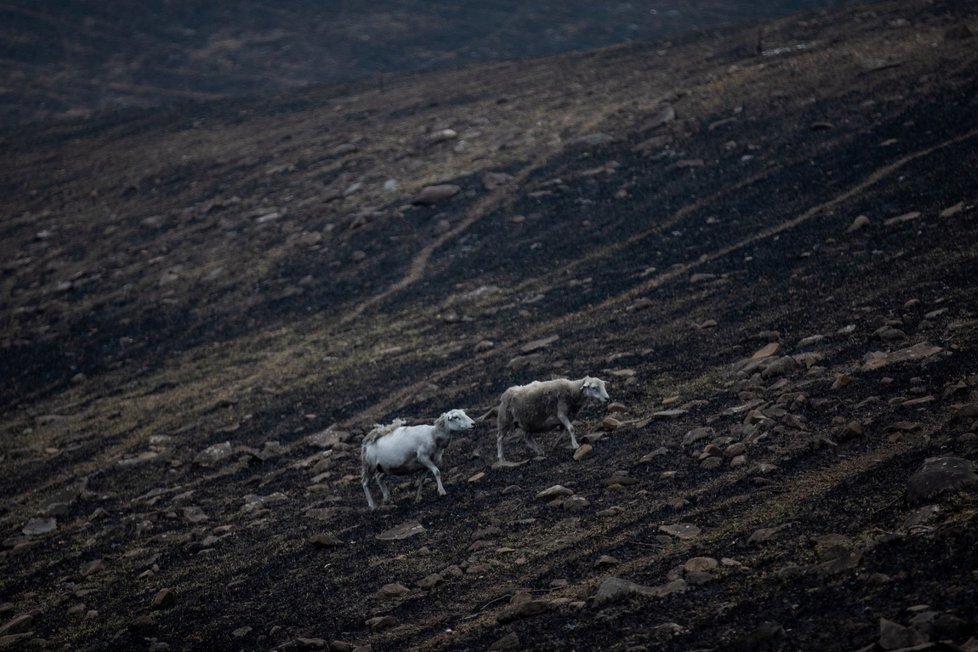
(542, 406)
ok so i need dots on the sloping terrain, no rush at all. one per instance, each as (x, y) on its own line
(770, 258)
(76, 57)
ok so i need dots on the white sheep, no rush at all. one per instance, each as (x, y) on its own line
(396, 449)
(541, 406)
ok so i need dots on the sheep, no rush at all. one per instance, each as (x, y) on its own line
(397, 449)
(541, 406)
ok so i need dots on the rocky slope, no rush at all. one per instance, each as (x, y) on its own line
(770, 259)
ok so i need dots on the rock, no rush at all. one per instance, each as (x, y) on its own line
(711, 463)
(522, 605)
(393, 590)
(477, 477)
(194, 515)
(536, 345)
(324, 540)
(380, 623)
(951, 211)
(779, 367)
(919, 351)
(701, 565)
(92, 567)
(610, 423)
(766, 351)
(767, 533)
(940, 474)
(684, 531)
(163, 599)
(861, 222)
(894, 636)
(583, 451)
(400, 532)
(606, 560)
(890, 334)
(241, 632)
(733, 450)
(9, 641)
(441, 136)
(900, 219)
(484, 345)
(738, 460)
(509, 642)
(615, 588)
(555, 491)
(430, 581)
(669, 414)
(431, 195)
(697, 434)
(658, 452)
(576, 504)
(16, 624)
(37, 526)
(213, 455)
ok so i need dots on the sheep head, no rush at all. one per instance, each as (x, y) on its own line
(456, 420)
(594, 388)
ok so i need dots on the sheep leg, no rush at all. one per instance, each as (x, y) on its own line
(365, 482)
(532, 443)
(383, 488)
(499, 445)
(417, 496)
(428, 464)
(570, 429)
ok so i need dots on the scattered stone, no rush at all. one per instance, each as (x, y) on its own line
(701, 565)
(477, 477)
(324, 540)
(900, 219)
(163, 599)
(879, 359)
(484, 345)
(951, 211)
(894, 636)
(393, 590)
(509, 642)
(37, 526)
(16, 624)
(536, 345)
(779, 367)
(712, 462)
(669, 414)
(380, 623)
(582, 451)
(241, 632)
(555, 491)
(615, 588)
(606, 560)
(684, 531)
(402, 531)
(611, 423)
(658, 452)
(522, 605)
(213, 455)
(766, 351)
(492, 180)
(696, 434)
(92, 567)
(733, 450)
(767, 533)
(576, 504)
(431, 195)
(430, 581)
(861, 222)
(940, 474)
